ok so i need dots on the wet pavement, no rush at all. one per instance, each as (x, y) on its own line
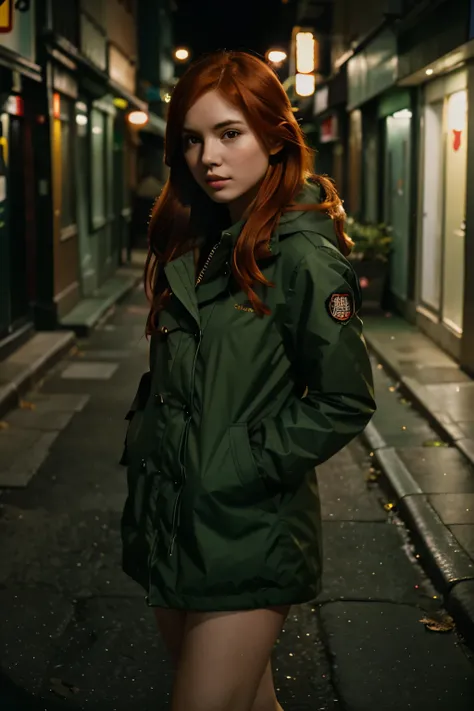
(75, 633)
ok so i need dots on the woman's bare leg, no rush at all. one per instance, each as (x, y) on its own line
(225, 659)
(266, 699)
(171, 626)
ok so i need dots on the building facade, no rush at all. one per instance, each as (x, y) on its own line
(21, 83)
(69, 156)
(400, 136)
(90, 64)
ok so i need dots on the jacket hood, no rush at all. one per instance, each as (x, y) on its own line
(291, 222)
(306, 220)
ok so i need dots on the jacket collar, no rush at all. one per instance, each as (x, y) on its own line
(181, 272)
(293, 221)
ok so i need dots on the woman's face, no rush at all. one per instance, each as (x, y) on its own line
(223, 153)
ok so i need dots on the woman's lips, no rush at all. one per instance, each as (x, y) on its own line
(217, 184)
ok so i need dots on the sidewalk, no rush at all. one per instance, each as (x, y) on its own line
(422, 439)
(21, 370)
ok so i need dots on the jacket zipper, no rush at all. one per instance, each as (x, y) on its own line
(207, 262)
(184, 439)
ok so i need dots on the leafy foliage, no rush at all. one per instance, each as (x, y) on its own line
(371, 241)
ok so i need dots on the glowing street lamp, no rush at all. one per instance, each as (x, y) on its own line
(138, 118)
(276, 56)
(305, 47)
(305, 52)
(181, 54)
(305, 84)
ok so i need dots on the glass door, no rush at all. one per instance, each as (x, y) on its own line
(82, 182)
(432, 230)
(4, 243)
(397, 196)
(19, 288)
(444, 208)
(455, 209)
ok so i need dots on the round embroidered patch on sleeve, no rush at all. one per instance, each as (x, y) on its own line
(340, 307)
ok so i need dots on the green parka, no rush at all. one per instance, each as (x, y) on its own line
(226, 429)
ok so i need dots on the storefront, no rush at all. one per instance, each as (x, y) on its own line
(381, 153)
(395, 117)
(105, 167)
(67, 289)
(20, 78)
(436, 57)
(89, 61)
(331, 119)
(442, 205)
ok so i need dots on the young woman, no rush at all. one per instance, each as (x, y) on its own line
(258, 373)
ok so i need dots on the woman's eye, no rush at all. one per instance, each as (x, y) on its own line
(190, 140)
(231, 134)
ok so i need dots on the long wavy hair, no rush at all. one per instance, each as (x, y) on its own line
(183, 211)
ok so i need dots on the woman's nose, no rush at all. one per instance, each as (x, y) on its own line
(210, 154)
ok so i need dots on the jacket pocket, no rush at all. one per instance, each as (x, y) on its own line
(137, 407)
(244, 461)
(130, 436)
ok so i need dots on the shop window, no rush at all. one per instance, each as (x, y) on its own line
(66, 19)
(68, 188)
(98, 163)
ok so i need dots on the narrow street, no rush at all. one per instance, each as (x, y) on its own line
(77, 634)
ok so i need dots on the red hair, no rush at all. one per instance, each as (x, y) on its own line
(183, 210)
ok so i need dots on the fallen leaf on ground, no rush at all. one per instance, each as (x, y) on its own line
(439, 624)
(4, 425)
(372, 476)
(25, 405)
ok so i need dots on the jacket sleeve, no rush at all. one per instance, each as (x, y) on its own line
(331, 358)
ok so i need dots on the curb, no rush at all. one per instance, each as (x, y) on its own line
(12, 390)
(445, 562)
(83, 327)
(31, 373)
(440, 421)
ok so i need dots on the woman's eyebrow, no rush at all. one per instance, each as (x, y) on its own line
(221, 124)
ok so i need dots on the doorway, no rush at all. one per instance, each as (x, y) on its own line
(444, 209)
(14, 211)
(397, 197)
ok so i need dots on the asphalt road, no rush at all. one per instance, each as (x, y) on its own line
(75, 633)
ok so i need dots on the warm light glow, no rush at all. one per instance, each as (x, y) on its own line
(457, 111)
(81, 120)
(97, 130)
(167, 98)
(15, 106)
(138, 118)
(276, 56)
(429, 72)
(56, 105)
(182, 54)
(305, 84)
(120, 103)
(403, 113)
(305, 51)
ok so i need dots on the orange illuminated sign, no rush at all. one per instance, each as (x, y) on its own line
(6, 15)
(56, 106)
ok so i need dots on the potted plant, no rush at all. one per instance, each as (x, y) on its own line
(370, 258)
